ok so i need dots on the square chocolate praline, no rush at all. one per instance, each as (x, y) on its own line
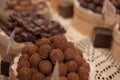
(102, 37)
(5, 64)
(65, 9)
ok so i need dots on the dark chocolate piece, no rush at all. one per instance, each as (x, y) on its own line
(65, 9)
(97, 5)
(102, 37)
(30, 26)
(5, 64)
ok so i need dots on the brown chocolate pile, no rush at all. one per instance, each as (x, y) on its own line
(37, 61)
(96, 5)
(30, 26)
(38, 6)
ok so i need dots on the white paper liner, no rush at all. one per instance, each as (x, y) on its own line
(15, 64)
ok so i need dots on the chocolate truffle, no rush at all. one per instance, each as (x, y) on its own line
(47, 78)
(38, 76)
(24, 57)
(96, 1)
(60, 42)
(30, 49)
(22, 64)
(62, 69)
(45, 67)
(69, 54)
(70, 45)
(24, 50)
(83, 73)
(78, 51)
(56, 54)
(63, 78)
(24, 74)
(83, 4)
(35, 59)
(79, 60)
(98, 9)
(86, 65)
(73, 76)
(91, 6)
(44, 51)
(42, 41)
(34, 70)
(71, 66)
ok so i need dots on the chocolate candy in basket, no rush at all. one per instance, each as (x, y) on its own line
(30, 26)
(5, 64)
(37, 6)
(65, 9)
(102, 37)
(97, 5)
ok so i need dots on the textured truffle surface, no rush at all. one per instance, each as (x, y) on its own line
(42, 58)
(45, 66)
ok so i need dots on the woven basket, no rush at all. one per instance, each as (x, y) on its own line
(116, 43)
(85, 20)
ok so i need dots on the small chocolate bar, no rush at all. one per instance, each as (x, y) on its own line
(5, 64)
(65, 9)
(102, 37)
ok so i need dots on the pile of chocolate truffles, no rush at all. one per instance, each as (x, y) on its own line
(30, 26)
(37, 61)
(96, 5)
(38, 6)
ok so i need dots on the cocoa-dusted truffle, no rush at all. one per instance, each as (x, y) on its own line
(79, 60)
(96, 1)
(34, 70)
(63, 78)
(71, 66)
(32, 49)
(38, 76)
(73, 76)
(86, 65)
(44, 51)
(83, 73)
(24, 57)
(35, 59)
(22, 64)
(69, 54)
(70, 45)
(42, 41)
(24, 74)
(45, 67)
(98, 9)
(91, 6)
(25, 49)
(56, 54)
(78, 51)
(62, 69)
(48, 78)
(60, 42)
(29, 49)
